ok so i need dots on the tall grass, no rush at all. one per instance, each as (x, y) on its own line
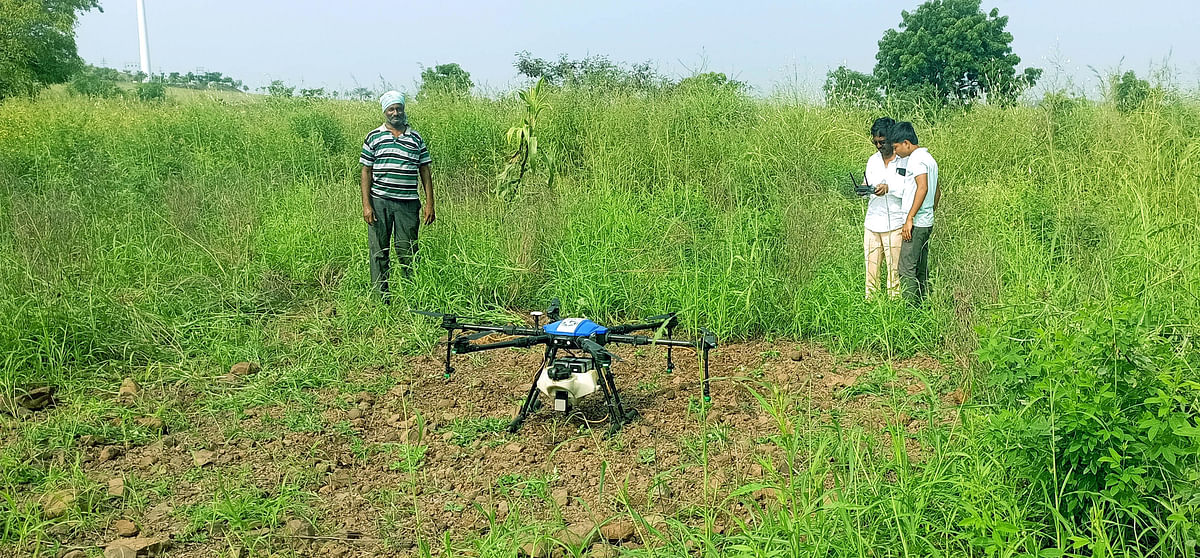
(166, 235)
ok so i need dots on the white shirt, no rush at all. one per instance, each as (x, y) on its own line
(918, 163)
(884, 212)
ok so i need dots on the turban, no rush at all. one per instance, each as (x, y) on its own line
(390, 98)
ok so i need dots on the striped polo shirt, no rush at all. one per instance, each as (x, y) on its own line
(394, 162)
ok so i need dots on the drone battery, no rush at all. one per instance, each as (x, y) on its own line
(560, 401)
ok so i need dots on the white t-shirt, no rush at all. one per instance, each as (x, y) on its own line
(918, 163)
(883, 212)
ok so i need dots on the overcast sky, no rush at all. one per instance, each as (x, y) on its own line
(343, 44)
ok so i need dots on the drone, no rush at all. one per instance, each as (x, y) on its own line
(576, 362)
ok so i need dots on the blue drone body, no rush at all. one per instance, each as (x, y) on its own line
(575, 327)
(585, 364)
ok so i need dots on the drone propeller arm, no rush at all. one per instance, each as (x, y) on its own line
(644, 340)
(464, 347)
(504, 330)
(670, 321)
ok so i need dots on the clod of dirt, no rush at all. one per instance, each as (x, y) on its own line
(561, 497)
(147, 461)
(153, 423)
(915, 388)
(539, 549)
(322, 468)
(110, 453)
(137, 546)
(578, 536)
(129, 389)
(354, 414)
(400, 390)
(201, 458)
(159, 512)
(116, 487)
(120, 551)
(340, 479)
(334, 550)
(501, 510)
(602, 550)
(125, 528)
(37, 398)
(958, 396)
(74, 554)
(300, 528)
(56, 504)
(796, 356)
(244, 369)
(617, 531)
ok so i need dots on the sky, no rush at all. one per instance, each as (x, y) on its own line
(772, 46)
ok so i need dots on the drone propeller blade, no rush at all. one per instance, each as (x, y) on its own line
(708, 338)
(666, 316)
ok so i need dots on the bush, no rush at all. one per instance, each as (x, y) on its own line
(1103, 417)
(95, 82)
(152, 90)
(280, 89)
(1129, 92)
(847, 88)
(321, 128)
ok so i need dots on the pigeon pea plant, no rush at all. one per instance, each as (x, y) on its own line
(526, 156)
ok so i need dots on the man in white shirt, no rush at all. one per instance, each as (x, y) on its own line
(920, 196)
(881, 228)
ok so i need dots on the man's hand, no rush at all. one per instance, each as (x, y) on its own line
(906, 230)
(369, 214)
(881, 189)
(429, 216)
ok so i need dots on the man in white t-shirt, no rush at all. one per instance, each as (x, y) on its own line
(881, 228)
(919, 199)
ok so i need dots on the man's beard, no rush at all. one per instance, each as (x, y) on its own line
(399, 121)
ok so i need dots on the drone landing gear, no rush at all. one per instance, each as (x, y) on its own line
(618, 416)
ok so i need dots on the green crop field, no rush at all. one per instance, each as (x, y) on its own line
(1057, 390)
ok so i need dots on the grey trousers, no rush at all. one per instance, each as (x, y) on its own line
(396, 224)
(914, 265)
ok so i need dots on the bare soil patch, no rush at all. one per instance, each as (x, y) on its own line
(383, 470)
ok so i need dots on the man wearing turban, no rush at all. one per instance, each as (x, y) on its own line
(394, 161)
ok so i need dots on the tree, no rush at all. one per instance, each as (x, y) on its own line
(278, 88)
(953, 50)
(711, 80)
(596, 72)
(37, 43)
(92, 81)
(445, 79)
(1128, 91)
(847, 88)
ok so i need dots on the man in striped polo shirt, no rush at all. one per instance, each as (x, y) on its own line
(393, 158)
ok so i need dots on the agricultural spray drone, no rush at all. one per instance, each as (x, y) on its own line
(576, 362)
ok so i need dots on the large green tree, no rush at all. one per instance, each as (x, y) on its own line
(445, 79)
(953, 51)
(37, 43)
